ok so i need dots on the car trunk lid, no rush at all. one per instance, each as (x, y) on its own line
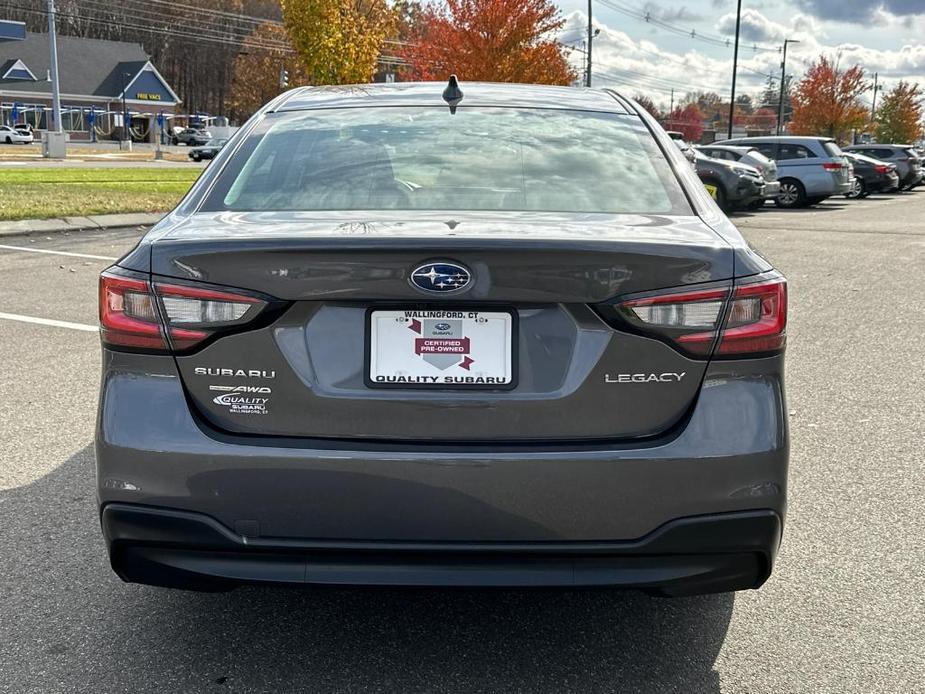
(574, 375)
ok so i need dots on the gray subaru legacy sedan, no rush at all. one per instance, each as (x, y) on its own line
(444, 334)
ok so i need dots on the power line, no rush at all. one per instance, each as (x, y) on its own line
(704, 37)
(147, 15)
(238, 43)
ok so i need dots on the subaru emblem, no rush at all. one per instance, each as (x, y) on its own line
(441, 277)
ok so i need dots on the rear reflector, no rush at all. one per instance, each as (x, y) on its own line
(752, 321)
(168, 316)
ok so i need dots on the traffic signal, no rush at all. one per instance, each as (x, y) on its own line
(283, 78)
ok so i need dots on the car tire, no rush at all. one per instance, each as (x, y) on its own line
(858, 190)
(195, 157)
(9, 140)
(792, 194)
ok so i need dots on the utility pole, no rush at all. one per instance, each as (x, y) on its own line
(783, 82)
(53, 49)
(671, 109)
(873, 106)
(735, 65)
(590, 40)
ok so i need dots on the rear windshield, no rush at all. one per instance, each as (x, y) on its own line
(832, 149)
(426, 159)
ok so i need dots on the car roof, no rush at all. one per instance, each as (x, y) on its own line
(741, 149)
(779, 138)
(878, 145)
(474, 94)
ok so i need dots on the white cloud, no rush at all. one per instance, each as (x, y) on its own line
(640, 65)
(757, 28)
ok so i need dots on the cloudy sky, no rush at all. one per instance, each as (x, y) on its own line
(654, 56)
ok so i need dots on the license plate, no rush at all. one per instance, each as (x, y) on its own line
(446, 349)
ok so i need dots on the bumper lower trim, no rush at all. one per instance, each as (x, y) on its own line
(700, 554)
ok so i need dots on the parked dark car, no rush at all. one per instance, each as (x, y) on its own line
(731, 184)
(192, 137)
(904, 157)
(430, 334)
(871, 176)
(208, 150)
(750, 156)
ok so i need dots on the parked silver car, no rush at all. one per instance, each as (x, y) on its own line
(810, 169)
(749, 156)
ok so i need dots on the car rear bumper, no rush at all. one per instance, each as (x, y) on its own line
(686, 556)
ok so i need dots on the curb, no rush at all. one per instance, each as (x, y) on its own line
(24, 227)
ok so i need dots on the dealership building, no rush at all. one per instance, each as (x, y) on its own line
(93, 77)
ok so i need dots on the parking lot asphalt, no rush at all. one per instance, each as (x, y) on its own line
(843, 611)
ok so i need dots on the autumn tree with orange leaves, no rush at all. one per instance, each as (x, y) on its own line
(256, 71)
(688, 121)
(489, 40)
(827, 101)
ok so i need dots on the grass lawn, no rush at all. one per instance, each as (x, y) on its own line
(50, 192)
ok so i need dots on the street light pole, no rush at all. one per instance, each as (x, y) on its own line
(783, 82)
(590, 41)
(124, 111)
(873, 106)
(53, 50)
(735, 65)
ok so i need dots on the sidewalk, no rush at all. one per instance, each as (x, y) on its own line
(105, 221)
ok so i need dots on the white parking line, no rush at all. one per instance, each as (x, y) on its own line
(69, 253)
(49, 321)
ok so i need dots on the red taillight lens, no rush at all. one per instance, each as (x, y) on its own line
(128, 314)
(832, 166)
(168, 316)
(757, 319)
(881, 168)
(753, 322)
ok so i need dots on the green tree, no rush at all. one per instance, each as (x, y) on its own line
(899, 117)
(339, 41)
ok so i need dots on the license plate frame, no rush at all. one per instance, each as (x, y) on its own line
(513, 342)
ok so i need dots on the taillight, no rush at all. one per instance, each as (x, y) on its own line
(688, 318)
(749, 322)
(193, 314)
(757, 319)
(128, 313)
(162, 316)
(881, 168)
(832, 166)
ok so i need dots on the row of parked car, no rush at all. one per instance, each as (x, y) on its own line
(800, 171)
